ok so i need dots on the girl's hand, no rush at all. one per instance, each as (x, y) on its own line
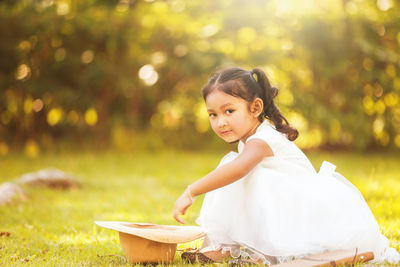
(182, 204)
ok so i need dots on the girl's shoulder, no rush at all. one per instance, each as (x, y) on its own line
(276, 140)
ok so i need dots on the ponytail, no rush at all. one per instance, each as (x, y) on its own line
(270, 110)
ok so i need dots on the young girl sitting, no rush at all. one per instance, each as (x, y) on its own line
(266, 203)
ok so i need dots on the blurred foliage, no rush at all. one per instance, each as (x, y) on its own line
(128, 73)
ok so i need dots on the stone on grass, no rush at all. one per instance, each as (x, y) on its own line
(6, 234)
(52, 178)
(10, 191)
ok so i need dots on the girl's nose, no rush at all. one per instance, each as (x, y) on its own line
(222, 122)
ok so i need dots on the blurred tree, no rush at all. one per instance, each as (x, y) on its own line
(110, 72)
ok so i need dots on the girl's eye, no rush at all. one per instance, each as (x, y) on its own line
(229, 111)
(212, 115)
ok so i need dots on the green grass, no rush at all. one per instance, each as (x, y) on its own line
(56, 228)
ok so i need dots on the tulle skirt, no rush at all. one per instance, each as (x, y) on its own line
(279, 214)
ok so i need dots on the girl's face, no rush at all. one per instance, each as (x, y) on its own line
(231, 117)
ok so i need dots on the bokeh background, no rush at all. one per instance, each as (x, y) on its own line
(109, 91)
(127, 74)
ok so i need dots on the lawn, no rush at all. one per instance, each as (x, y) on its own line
(56, 228)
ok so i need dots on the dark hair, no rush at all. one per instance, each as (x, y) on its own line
(241, 83)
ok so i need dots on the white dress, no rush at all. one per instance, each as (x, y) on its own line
(284, 208)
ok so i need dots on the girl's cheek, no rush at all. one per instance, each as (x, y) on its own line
(212, 122)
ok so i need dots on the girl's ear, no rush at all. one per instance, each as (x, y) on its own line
(256, 107)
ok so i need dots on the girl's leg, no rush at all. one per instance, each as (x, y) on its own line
(217, 255)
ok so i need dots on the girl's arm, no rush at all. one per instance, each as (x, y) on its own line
(254, 151)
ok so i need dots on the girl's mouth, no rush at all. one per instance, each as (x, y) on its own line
(226, 132)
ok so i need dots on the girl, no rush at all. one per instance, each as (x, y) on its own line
(266, 203)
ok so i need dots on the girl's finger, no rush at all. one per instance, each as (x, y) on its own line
(177, 218)
(184, 210)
